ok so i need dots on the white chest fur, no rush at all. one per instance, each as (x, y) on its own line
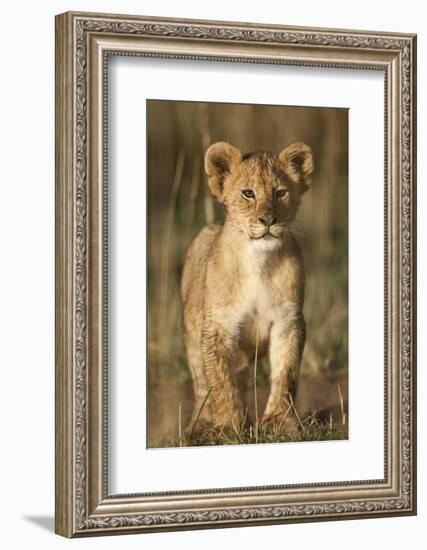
(261, 299)
(260, 303)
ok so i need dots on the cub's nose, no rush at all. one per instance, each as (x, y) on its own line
(268, 219)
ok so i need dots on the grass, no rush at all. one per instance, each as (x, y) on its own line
(312, 429)
(309, 428)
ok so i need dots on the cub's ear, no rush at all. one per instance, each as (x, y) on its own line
(298, 160)
(220, 159)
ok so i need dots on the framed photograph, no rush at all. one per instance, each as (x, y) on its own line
(235, 274)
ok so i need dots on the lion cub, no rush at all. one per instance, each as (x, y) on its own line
(243, 284)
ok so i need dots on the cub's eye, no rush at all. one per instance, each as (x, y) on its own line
(248, 193)
(281, 193)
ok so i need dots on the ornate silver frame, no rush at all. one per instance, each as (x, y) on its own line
(83, 42)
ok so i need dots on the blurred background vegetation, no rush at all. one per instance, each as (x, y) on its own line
(179, 205)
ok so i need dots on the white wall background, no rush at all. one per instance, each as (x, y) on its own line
(27, 272)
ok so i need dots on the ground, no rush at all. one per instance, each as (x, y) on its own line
(322, 412)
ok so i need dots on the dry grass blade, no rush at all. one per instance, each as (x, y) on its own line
(209, 208)
(166, 244)
(194, 191)
(296, 412)
(343, 415)
(180, 423)
(199, 412)
(256, 427)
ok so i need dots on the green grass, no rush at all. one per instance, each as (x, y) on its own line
(311, 429)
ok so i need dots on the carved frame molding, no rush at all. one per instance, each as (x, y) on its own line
(83, 44)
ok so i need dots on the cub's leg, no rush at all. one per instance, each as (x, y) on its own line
(201, 418)
(286, 347)
(219, 354)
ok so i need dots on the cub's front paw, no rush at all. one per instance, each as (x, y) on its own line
(283, 423)
(198, 427)
(230, 423)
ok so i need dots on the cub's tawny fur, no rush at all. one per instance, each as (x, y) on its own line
(243, 283)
